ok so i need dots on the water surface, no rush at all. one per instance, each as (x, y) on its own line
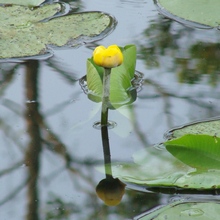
(49, 127)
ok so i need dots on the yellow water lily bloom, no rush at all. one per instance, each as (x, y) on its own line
(108, 57)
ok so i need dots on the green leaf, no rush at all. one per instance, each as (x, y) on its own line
(197, 151)
(94, 79)
(129, 63)
(204, 12)
(28, 36)
(185, 210)
(121, 89)
(209, 127)
(22, 2)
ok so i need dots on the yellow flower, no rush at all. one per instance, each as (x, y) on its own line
(108, 57)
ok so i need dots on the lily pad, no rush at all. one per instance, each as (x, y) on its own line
(210, 127)
(184, 210)
(121, 89)
(30, 36)
(203, 13)
(22, 2)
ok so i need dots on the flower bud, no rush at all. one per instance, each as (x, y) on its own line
(108, 57)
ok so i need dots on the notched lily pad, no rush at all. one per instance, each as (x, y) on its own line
(30, 36)
(196, 13)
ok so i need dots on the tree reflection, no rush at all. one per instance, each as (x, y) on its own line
(159, 41)
(204, 59)
(32, 155)
(190, 58)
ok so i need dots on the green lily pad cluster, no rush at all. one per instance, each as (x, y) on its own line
(121, 89)
(29, 31)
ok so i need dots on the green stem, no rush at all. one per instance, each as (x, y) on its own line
(105, 98)
(104, 123)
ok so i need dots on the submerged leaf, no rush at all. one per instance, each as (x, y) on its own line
(29, 36)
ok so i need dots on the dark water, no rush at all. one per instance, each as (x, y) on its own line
(49, 149)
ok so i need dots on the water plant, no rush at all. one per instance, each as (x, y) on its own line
(121, 89)
(108, 59)
(115, 63)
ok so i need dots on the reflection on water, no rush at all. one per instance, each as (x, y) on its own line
(37, 138)
(49, 150)
(190, 53)
(110, 190)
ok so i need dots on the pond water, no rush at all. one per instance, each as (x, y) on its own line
(51, 129)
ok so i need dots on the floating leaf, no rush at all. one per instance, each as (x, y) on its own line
(205, 13)
(184, 210)
(210, 127)
(121, 89)
(22, 2)
(28, 36)
(197, 151)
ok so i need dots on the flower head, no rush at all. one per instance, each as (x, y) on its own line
(108, 57)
